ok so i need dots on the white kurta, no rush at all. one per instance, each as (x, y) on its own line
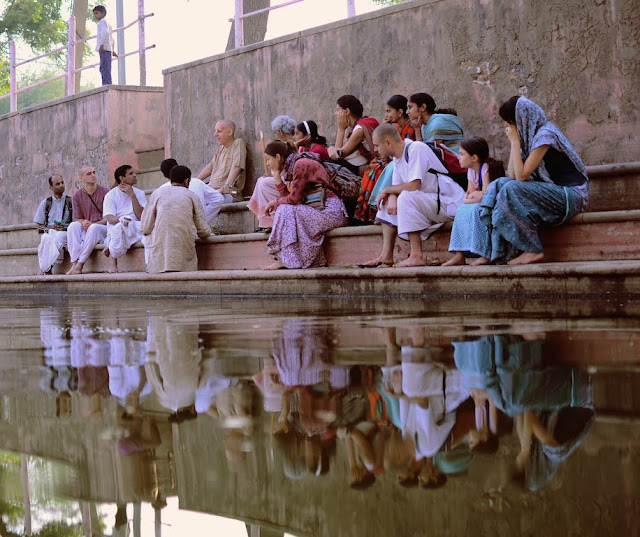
(418, 209)
(171, 220)
(124, 234)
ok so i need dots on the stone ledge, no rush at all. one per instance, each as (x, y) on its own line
(546, 281)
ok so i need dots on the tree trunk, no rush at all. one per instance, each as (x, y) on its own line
(80, 12)
(255, 28)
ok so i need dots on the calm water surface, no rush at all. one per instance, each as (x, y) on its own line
(320, 418)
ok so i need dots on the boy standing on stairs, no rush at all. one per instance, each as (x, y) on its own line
(89, 227)
(53, 217)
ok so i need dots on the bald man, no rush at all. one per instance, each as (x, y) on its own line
(227, 168)
(89, 227)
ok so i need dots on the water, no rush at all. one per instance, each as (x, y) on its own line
(324, 418)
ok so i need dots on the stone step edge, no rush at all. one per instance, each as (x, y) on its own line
(556, 269)
(148, 149)
(226, 208)
(362, 231)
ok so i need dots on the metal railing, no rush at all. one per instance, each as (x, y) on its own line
(239, 16)
(70, 47)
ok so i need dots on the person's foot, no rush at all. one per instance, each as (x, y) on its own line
(275, 265)
(113, 266)
(373, 263)
(76, 268)
(526, 259)
(43, 273)
(481, 261)
(457, 259)
(411, 261)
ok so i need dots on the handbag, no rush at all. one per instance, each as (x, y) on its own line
(315, 196)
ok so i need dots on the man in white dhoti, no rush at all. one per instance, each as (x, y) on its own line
(122, 208)
(170, 222)
(421, 199)
(210, 198)
(89, 227)
(53, 216)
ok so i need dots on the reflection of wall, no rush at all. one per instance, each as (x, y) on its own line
(579, 60)
(467, 505)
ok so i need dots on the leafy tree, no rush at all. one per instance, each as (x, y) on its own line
(37, 23)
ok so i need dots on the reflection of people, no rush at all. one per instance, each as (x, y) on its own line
(552, 405)
(173, 366)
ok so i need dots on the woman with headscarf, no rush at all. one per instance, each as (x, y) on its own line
(441, 126)
(547, 185)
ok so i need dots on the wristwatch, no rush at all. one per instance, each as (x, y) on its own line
(340, 152)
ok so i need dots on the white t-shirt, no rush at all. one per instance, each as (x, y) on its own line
(356, 158)
(55, 213)
(417, 158)
(117, 203)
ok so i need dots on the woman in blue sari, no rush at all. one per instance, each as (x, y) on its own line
(440, 126)
(547, 185)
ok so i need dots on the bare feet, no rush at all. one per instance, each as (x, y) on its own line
(457, 259)
(411, 261)
(76, 268)
(43, 273)
(275, 265)
(373, 263)
(481, 261)
(526, 259)
(113, 265)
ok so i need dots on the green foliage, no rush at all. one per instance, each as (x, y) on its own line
(38, 23)
(60, 529)
(40, 94)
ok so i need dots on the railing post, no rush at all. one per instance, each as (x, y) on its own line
(351, 8)
(71, 57)
(238, 22)
(141, 44)
(122, 68)
(13, 88)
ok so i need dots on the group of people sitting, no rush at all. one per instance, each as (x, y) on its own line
(415, 172)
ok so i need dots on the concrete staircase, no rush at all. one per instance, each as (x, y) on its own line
(609, 231)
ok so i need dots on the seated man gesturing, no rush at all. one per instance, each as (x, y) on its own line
(123, 209)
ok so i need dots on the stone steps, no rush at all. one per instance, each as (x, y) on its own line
(592, 287)
(612, 235)
(150, 157)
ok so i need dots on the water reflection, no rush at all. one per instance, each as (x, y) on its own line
(297, 421)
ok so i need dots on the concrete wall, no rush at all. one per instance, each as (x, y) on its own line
(579, 60)
(101, 127)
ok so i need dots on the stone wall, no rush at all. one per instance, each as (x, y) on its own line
(101, 127)
(579, 60)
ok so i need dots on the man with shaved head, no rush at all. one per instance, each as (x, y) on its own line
(227, 168)
(89, 227)
(421, 198)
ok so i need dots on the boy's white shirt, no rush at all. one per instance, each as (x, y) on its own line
(104, 37)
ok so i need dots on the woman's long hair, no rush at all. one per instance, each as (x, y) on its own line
(430, 103)
(310, 128)
(479, 146)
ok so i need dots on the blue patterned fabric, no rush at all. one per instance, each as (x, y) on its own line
(470, 234)
(536, 130)
(383, 181)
